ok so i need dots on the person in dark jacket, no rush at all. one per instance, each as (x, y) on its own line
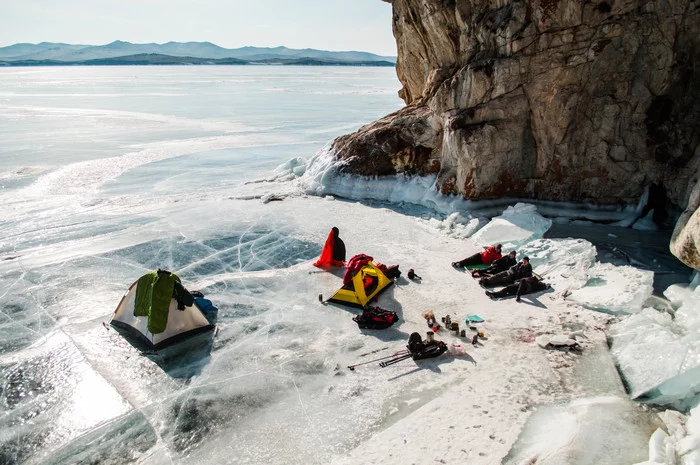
(512, 274)
(482, 258)
(338, 247)
(502, 264)
(525, 286)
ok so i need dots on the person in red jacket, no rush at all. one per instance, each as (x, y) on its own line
(483, 258)
(333, 253)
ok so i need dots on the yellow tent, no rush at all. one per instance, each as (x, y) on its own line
(367, 283)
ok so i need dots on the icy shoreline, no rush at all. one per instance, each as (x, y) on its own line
(320, 176)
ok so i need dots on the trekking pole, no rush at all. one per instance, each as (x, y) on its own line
(395, 360)
(400, 352)
(373, 352)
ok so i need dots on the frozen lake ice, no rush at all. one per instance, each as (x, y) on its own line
(108, 173)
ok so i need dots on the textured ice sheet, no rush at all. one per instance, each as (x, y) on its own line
(585, 432)
(457, 224)
(563, 263)
(688, 306)
(51, 395)
(678, 443)
(516, 226)
(659, 356)
(614, 289)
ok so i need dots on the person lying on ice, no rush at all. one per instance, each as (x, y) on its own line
(333, 253)
(525, 286)
(512, 274)
(481, 258)
(502, 264)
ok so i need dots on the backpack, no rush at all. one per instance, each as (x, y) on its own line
(393, 272)
(375, 318)
(420, 349)
(430, 350)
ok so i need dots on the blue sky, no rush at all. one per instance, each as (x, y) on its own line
(363, 25)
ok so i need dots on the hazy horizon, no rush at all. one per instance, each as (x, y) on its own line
(332, 25)
(193, 41)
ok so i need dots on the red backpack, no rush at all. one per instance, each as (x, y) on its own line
(376, 318)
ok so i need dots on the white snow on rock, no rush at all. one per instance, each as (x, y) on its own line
(322, 176)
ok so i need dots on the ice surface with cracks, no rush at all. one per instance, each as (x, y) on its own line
(190, 195)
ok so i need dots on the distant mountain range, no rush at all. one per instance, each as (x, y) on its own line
(179, 53)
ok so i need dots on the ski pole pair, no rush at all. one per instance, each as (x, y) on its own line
(396, 355)
(396, 359)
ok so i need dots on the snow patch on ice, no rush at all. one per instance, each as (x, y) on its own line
(688, 312)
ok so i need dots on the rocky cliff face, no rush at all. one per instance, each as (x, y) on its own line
(570, 100)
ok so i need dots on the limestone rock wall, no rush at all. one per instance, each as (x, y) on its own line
(570, 100)
(685, 243)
